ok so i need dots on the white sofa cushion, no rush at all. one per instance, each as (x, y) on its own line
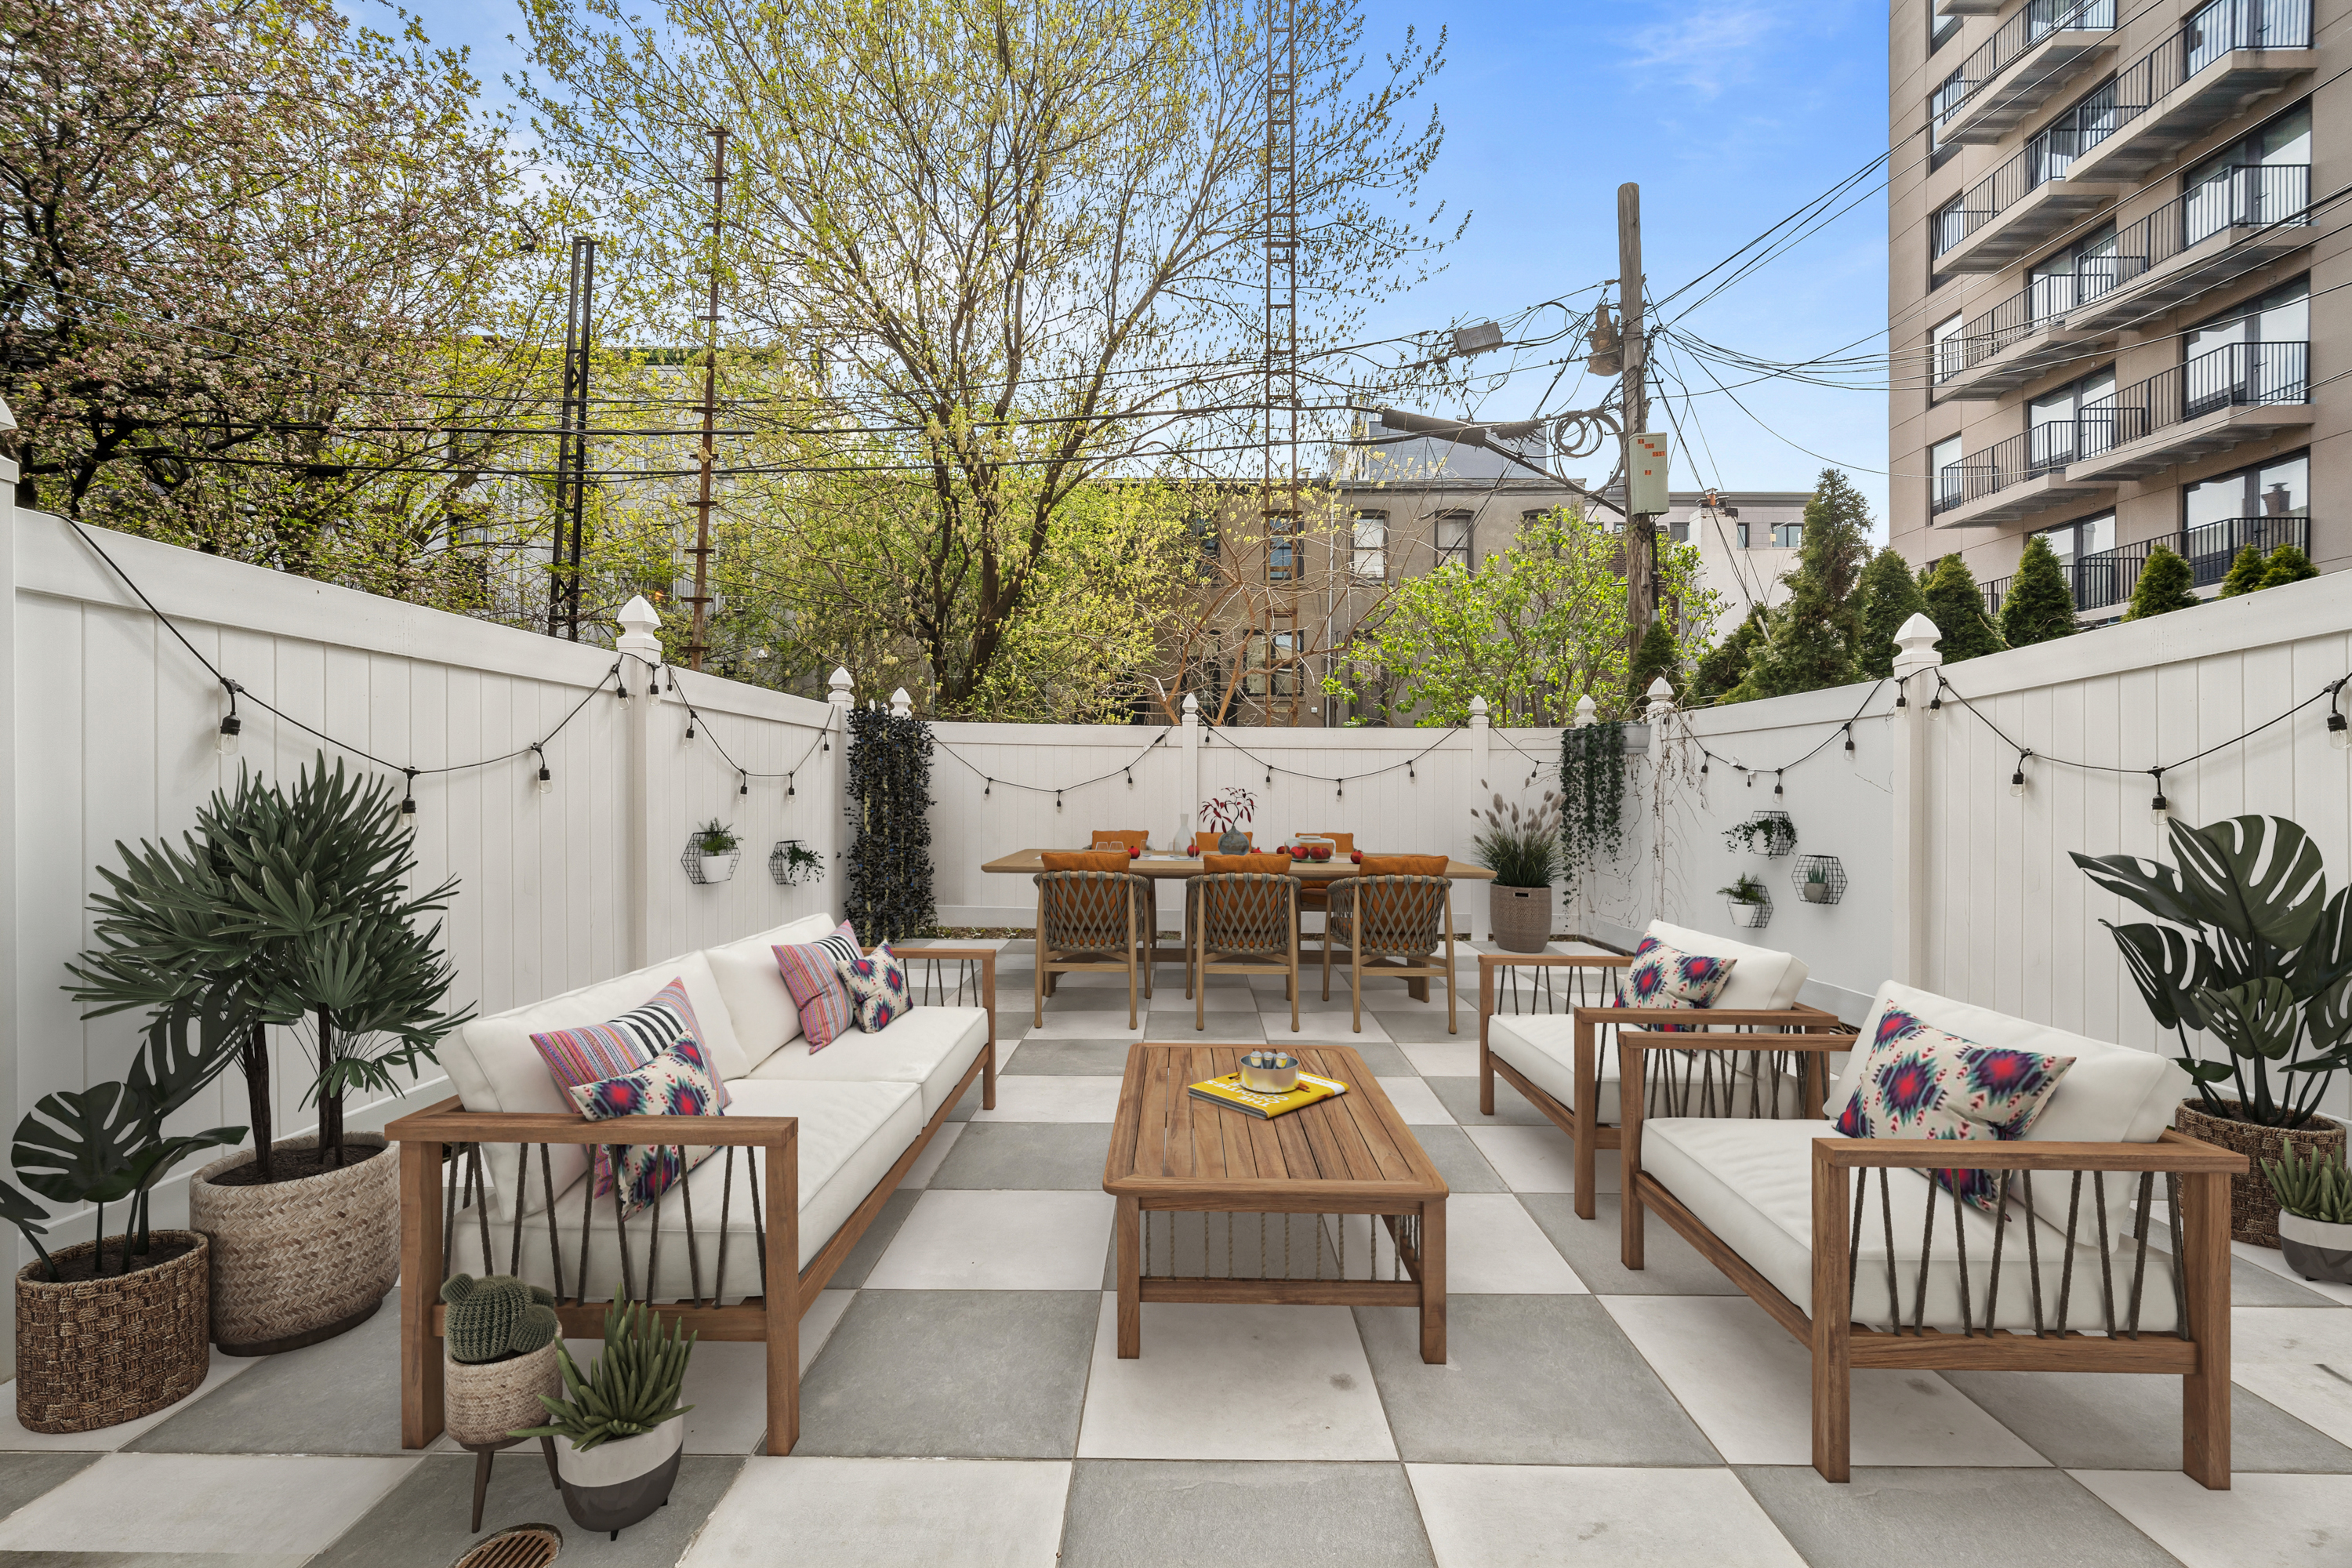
(764, 1018)
(493, 1066)
(1542, 1045)
(1750, 1183)
(850, 1135)
(1762, 978)
(2113, 1094)
(928, 1047)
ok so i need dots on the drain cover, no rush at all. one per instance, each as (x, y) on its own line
(516, 1546)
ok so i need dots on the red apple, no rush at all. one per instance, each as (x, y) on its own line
(1134, 851)
(1357, 855)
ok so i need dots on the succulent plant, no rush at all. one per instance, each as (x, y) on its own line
(497, 1316)
(626, 1392)
(2312, 1185)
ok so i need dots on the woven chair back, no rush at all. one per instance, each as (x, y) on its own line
(1086, 911)
(1398, 914)
(1247, 911)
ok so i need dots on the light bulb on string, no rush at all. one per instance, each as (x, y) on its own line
(1776, 782)
(744, 787)
(1058, 800)
(1849, 738)
(988, 788)
(546, 779)
(2157, 811)
(2340, 732)
(2016, 779)
(408, 800)
(788, 788)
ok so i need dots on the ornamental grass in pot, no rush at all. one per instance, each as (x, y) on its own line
(619, 1436)
(111, 1329)
(2315, 1222)
(1522, 848)
(2257, 953)
(288, 911)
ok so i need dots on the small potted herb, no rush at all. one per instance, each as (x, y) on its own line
(2315, 1222)
(1750, 905)
(712, 853)
(619, 1429)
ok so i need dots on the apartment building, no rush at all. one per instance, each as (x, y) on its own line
(2111, 252)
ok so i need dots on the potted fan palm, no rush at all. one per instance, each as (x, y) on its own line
(288, 911)
(1522, 848)
(2315, 1222)
(617, 1423)
(113, 1329)
(2256, 952)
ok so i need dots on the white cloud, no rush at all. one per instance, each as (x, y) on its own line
(1708, 48)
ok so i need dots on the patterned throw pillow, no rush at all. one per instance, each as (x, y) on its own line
(595, 1052)
(1920, 1081)
(680, 1082)
(811, 972)
(878, 986)
(1662, 976)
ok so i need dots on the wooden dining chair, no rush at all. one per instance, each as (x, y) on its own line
(1240, 918)
(1089, 917)
(1393, 924)
(1137, 838)
(1314, 898)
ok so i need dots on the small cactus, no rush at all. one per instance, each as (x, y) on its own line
(496, 1316)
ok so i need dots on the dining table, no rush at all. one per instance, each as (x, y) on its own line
(1162, 864)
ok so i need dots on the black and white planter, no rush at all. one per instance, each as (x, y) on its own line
(2316, 1250)
(614, 1484)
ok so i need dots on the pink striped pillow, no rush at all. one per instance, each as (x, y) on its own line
(811, 972)
(592, 1053)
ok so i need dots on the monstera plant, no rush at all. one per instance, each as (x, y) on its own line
(2255, 953)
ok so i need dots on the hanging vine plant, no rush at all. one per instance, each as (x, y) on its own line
(1592, 796)
(889, 858)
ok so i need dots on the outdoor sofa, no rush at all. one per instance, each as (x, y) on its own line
(811, 1146)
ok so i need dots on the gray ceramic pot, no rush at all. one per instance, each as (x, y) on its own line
(617, 1484)
(2316, 1250)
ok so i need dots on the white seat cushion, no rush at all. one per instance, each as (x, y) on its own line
(1750, 1183)
(765, 1019)
(928, 1047)
(493, 1066)
(1542, 1045)
(850, 1135)
(1761, 978)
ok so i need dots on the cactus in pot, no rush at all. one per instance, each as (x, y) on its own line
(502, 1337)
(497, 1316)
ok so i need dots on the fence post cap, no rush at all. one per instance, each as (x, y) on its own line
(902, 705)
(1914, 645)
(1191, 708)
(1479, 711)
(1587, 713)
(639, 621)
(1662, 697)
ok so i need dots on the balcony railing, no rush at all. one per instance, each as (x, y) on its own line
(2036, 306)
(2233, 375)
(2045, 158)
(2107, 577)
(2245, 195)
(2029, 26)
(2044, 450)
(2211, 33)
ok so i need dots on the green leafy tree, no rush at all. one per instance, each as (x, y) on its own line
(2040, 604)
(2287, 564)
(1809, 640)
(1956, 605)
(1890, 596)
(2166, 584)
(2245, 572)
(1657, 656)
(1726, 664)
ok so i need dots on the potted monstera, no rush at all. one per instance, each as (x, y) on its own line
(287, 912)
(2255, 953)
(114, 1329)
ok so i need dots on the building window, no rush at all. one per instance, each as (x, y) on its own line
(1941, 30)
(1944, 487)
(2257, 350)
(2280, 487)
(1741, 533)
(1949, 228)
(1367, 554)
(1787, 536)
(1281, 549)
(2263, 179)
(1454, 538)
(2071, 541)
(2057, 432)
(1944, 347)
(2082, 272)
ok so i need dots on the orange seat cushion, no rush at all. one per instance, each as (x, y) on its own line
(1085, 859)
(1216, 865)
(1405, 865)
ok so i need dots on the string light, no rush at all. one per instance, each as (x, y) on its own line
(788, 789)
(408, 799)
(2157, 809)
(1342, 793)
(1776, 783)
(989, 787)
(231, 726)
(2016, 779)
(2340, 732)
(1849, 737)
(744, 787)
(546, 779)
(1058, 800)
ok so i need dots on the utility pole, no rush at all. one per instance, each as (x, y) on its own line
(571, 448)
(700, 599)
(1641, 540)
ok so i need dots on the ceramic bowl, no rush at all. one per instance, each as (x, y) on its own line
(1269, 1072)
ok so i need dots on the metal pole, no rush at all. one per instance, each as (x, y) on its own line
(700, 598)
(571, 444)
(1641, 541)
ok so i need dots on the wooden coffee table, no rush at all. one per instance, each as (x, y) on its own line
(1350, 1155)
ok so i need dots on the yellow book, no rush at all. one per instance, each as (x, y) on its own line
(1228, 1092)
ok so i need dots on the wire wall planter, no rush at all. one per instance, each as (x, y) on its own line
(1818, 879)
(792, 863)
(1767, 833)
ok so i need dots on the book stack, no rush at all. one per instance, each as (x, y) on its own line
(1228, 1092)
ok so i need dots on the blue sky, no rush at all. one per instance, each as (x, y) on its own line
(1729, 112)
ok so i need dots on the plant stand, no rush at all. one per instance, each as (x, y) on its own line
(484, 1452)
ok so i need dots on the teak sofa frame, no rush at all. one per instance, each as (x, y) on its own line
(2200, 1356)
(771, 1317)
(1582, 1121)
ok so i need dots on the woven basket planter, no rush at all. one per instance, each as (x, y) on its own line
(94, 1352)
(485, 1402)
(298, 1262)
(1521, 917)
(2253, 1208)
